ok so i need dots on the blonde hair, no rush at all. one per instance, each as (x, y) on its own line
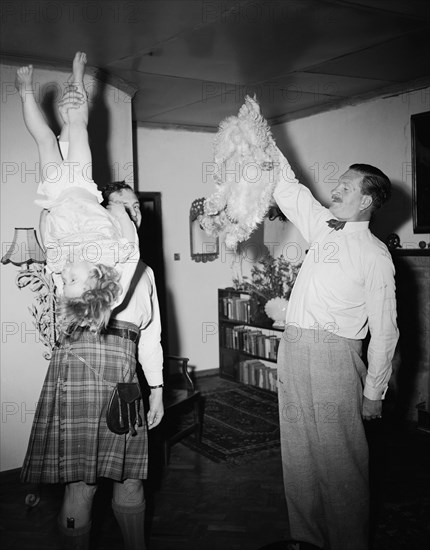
(93, 308)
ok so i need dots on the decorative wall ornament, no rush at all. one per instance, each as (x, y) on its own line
(40, 281)
(26, 252)
(203, 247)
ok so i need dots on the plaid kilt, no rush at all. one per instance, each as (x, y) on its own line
(69, 439)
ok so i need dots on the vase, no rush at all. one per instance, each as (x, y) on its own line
(276, 309)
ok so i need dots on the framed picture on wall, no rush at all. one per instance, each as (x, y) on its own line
(420, 128)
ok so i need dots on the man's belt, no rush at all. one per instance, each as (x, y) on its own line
(127, 333)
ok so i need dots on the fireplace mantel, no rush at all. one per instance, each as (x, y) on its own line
(420, 252)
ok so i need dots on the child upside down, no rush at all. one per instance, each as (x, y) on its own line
(94, 250)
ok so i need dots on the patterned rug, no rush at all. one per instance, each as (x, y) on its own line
(238, 423)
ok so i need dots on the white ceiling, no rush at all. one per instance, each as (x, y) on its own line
(192, 62)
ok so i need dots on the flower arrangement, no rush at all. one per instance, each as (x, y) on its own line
(247, 169)
(272, 280)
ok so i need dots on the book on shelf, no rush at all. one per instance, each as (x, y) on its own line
(274, 345)
(257, 373)
(237, 308)
(273, 379)
(251, 340)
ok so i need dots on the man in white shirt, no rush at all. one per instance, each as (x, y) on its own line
(141, 308)
(345, 288)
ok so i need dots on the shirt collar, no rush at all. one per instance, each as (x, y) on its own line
(353, 227)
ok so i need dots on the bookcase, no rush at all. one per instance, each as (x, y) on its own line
(248, 343)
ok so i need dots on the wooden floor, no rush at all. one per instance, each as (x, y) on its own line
(197, 504)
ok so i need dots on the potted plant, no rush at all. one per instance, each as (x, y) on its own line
(270, 285)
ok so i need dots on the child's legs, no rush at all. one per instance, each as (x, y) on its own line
(72, 99)
(46, 141)
(50, 159)
(42, 225)
(79, 155)
(79, 148)
(64, 134)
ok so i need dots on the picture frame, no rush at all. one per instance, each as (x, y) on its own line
(420, 150)
(203, 247)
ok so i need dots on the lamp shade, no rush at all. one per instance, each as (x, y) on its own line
(25, 248)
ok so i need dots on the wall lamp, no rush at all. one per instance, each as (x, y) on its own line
(26, 253)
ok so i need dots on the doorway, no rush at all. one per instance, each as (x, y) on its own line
(151, 248)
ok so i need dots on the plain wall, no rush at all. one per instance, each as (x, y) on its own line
(23, 366)
(173, 163)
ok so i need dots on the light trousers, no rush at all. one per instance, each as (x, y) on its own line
(324, 447)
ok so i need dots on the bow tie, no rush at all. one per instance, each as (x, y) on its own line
(336, 224)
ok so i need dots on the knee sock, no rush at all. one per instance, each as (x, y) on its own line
(131, 520)
(75, 539)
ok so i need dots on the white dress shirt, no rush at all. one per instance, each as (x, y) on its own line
(346, 283)
(140, 306)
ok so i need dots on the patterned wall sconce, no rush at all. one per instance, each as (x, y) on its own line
(204, 248)
(26, 252)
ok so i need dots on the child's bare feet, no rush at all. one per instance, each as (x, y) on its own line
(24, 80)
(79, 62)
(77, 107)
